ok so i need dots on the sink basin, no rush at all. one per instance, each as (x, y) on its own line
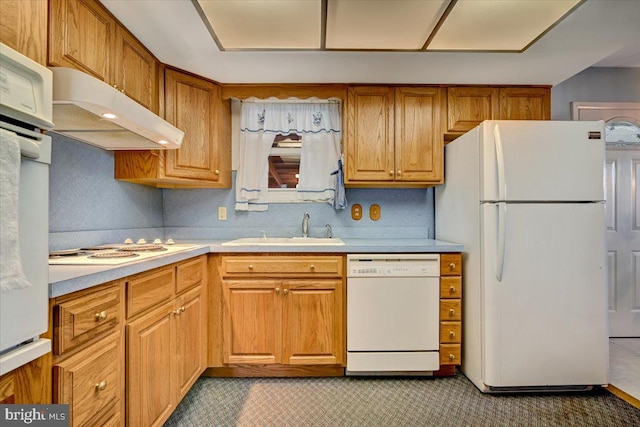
(285, 241)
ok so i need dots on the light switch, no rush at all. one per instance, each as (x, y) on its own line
(374, 212)
(222, 213)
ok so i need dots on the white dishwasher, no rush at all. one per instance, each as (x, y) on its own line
(393, 314)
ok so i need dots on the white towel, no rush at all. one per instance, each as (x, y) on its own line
(11, 274)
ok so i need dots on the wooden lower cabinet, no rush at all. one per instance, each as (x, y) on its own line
(282, 313)
(450, 311)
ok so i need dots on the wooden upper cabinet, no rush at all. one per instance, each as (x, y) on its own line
(136, 70)
(418, 134)
(525, 103)
(369, 133)
(468, 106)
(23, 27)
(393, 136)
(81, 35)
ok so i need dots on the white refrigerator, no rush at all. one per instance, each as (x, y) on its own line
(526, 198)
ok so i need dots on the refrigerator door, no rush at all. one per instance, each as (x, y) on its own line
(545, 320)
(542, 160)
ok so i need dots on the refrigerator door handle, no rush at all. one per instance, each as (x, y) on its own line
(502, 185)
(502, 229)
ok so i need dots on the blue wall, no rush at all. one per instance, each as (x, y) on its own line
(88, 207)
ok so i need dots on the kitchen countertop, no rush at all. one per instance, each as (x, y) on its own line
(64, 279)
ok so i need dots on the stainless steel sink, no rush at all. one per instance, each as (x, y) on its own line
(285, 241)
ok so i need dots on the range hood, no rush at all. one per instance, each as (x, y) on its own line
(90, 110)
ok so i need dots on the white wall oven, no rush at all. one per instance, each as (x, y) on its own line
(25, 111)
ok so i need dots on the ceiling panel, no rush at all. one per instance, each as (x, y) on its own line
(265, 24)
(498, 25)
(365, 24)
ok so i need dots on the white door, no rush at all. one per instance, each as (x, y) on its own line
(545, 311)
(623, 241)
(623, 216)
(542, 160)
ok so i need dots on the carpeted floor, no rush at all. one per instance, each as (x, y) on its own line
(350, 401)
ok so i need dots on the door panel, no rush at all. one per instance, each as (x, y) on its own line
(623, 241)
(543, 161)
(550, 306)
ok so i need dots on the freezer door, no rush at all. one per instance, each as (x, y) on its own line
(542, 160)
(544, 295)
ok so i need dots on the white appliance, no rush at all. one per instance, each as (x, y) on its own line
(526, 199)
(94, 112)
(25, 108)
(393, 314)
(114, 254)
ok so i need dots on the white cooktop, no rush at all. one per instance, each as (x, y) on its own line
(93, 257)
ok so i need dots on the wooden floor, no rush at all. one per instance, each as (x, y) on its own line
(624, 369)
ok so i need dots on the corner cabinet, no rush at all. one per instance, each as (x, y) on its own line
(281, 315)
(394, 136)
(194, 105)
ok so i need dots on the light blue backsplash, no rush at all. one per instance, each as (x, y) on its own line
(87, 206)
(193, 214)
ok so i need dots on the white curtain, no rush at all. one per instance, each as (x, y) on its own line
(319, 125)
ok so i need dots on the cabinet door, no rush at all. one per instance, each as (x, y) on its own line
(369, 134)
(150, 374)
(525, 104)
(136, 70)
(192, 105)
(418, 134)
(81, 37)
(313, 322)
(191, 349)
(467, 107)
(252, 321)
(23, 27)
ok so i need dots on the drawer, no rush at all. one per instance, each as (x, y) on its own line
(86, 317)
(450, 309)
(91, 382)
(279, 266)
(148, 289)
(450, 354)
(189, 274)
(450, 332)
(450, 265)
(450, 287)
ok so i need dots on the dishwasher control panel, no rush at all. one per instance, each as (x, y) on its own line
(393, 265)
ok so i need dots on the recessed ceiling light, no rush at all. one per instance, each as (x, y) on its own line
(109, 116)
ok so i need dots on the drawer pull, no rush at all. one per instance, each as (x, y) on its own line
(101, 386)
(277, 290)
(250, 266)
(452, 356)
(452, 266)
(101, 316)
(452, 334)
(452, 289)
(217, 171)
(286, 291)
(179, 310)
(452, 311)
(312, 267)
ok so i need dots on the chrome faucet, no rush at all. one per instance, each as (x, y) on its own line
(329, 231)
(305, 225)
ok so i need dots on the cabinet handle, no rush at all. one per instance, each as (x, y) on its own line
(452, 266)
(312, 267)
(391, 173)
(101, 316)
(452, 334)
(182, 309)
(452, 311)
(277, 290)
(122, 90)
(452, 288)
(177, 311)
(399, 173)
(101, 386)
(217, 171)
(250, 266)
(452, 356)
(286, 291)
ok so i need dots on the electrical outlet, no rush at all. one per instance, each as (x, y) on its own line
(222, 213)
(356, 212)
